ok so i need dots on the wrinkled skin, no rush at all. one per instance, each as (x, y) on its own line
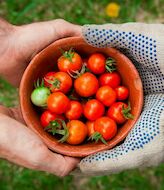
(18, 143)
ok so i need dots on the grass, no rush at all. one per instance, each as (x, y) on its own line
(19, 12)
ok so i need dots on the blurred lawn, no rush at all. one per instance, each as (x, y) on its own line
(20, 12)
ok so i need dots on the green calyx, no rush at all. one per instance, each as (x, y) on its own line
(55, 83)
(126, 112)
(96, 137)
(110, 65)
(55, 128)
(77, 74)
(38, 84)
(69, 54)
(64, 132)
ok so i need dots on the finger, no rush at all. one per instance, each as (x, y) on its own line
(58, 164)
(14, 113)
(25, 148)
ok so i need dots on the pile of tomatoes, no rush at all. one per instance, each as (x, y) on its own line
(83, 98)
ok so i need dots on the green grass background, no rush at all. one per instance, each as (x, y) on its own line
(19, 12)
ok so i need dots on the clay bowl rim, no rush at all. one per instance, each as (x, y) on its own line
(71, 150)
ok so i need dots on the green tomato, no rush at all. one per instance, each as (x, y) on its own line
(39, 96)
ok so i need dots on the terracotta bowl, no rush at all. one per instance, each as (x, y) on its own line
(46, 61)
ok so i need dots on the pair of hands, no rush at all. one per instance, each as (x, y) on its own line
(18, 143)
(143, 146)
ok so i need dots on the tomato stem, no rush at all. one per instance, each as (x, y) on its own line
(38, 84)
(64, 132)
(53, 126)
(69, 54)
(96, 136)
(126, 112)
(110, 65)
(77, 74)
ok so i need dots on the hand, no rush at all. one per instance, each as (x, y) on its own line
(20, 43)
(19, 144)
(144, 146)
(22, 146)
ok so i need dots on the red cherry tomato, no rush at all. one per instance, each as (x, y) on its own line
(93, 109)
(86, 85)
(48, 116)
(69, 61)
(58, 82)
(122, 92)
(110, 79)
(115, 112)
(90, 127)
(77, 132)
(106, 127)
(96, 63)
(58, 103)
(74, 111)
(106, 95)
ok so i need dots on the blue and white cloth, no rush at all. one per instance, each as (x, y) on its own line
(144, 146)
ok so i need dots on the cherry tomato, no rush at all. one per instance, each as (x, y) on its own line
(96, 63)
(116, 112)
(58, 82)
(122, 92)
(74, 111)
(111, 79)
(58, 103)
(40, 95)
(48, 116)
(69, 61)
(106, 127)
(106, 95)
(77, 132)
(93, 109)
(86, 85)
(90, 127)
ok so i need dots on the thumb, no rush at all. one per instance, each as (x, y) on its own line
(32, 38)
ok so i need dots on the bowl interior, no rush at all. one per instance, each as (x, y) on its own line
(46, 61)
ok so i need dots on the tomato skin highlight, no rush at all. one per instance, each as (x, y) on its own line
(90, 127)
(74, 111)
(96, 63)
(86, 85)
(110, 79)
(122, 92)
(58, 102)
(58, 82)
(65, 65)
(77, 132)
(93, 109)
(106, 127)
(48, 116)
(106, 95)
(48, 77)
(115, 112)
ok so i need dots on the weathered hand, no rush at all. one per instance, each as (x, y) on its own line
(22, 146)
(19, 144)
(20, 43)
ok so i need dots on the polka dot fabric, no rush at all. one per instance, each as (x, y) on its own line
(146, 130)
(140, 48)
